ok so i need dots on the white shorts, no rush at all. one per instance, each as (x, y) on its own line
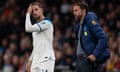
(45, 66)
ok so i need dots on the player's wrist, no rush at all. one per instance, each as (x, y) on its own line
(29, 60)
(28, 13)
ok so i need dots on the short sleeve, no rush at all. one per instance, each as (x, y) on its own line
(44, 25)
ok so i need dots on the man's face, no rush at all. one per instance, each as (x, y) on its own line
(77, 12)
(36, 11)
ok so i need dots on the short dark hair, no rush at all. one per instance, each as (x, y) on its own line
(37, 3)
(82, 5)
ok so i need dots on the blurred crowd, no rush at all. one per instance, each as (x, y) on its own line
(16, 44)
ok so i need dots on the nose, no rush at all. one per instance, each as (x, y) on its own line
(34, 13)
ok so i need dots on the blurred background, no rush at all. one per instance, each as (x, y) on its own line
(16, 44)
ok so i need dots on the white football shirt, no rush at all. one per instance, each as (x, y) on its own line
(42, 33)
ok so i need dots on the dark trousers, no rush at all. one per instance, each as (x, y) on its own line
(84, 65)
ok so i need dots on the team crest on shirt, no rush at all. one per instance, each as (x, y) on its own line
(85, 31)
(93, 22)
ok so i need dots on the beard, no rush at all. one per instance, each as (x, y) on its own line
(36, 17)
(78, 18)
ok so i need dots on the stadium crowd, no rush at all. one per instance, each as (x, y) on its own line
(16, 44)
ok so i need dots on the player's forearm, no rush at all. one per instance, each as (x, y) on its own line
(31, 57)
(28, 25)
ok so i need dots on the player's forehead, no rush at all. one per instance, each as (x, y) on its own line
(76, 7)
(35, 6)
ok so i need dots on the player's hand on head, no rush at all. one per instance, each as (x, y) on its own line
(29, 9)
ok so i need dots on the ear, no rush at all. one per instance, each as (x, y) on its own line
(84, 12)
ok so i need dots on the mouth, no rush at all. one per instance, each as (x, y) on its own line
(76, 17)
(34, 16)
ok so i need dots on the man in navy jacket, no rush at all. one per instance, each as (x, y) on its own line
(92, 44)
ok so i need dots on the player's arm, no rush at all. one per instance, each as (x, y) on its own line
(28, 64)
(31, 57)
(41, 26)
(28, 25)
(37, 27)
(100, 35)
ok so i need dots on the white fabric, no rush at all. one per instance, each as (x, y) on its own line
(28, 25)
(42, 33)
(46, 66)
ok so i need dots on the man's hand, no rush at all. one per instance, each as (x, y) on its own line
(28, 66)
(29, 9)
(92, 58)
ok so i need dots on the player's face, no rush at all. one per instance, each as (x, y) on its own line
(77, 12)
(36, 11)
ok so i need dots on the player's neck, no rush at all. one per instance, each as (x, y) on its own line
(41, 18)
(82, 18)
